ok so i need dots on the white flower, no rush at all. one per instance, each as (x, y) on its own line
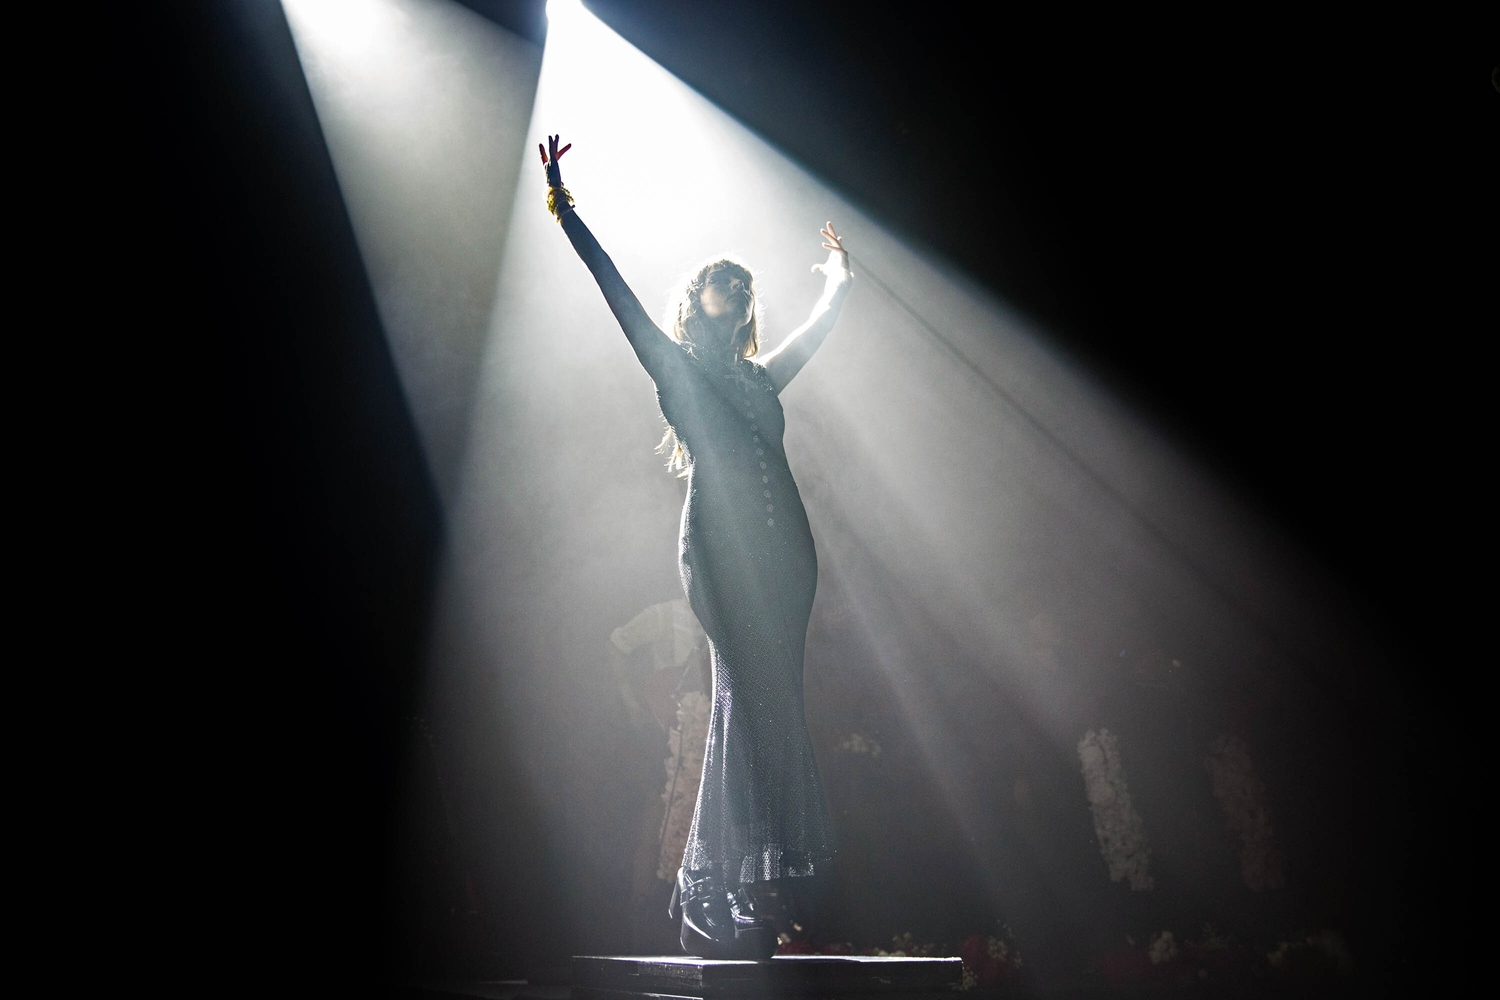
(1163, 948)
(1122, 836)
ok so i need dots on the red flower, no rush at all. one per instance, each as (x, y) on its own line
(986, 969)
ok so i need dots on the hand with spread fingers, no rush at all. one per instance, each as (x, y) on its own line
(549, 163)
(837, 264)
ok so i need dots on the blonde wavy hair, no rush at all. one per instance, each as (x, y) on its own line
(684, 323)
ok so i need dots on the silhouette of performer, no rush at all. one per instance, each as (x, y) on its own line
(749, 569)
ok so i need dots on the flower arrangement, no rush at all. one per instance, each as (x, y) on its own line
(1165, 958)
(1312, 956)
(1122, 835)
(990, 960)
(906, 946)
(1242, 796)
(1163, 948)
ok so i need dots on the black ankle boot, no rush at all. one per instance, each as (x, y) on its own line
(708, 926)
(754, 931)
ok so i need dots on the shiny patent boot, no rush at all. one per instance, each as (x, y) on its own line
(707, 924)
(754, 931)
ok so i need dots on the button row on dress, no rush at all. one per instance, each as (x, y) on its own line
(760, 453)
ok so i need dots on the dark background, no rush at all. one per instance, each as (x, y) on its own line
(1265, 230)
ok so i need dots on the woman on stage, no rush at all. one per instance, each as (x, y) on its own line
(749, 568)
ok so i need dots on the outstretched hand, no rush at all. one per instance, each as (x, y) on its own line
(838, 258)
(554, 173)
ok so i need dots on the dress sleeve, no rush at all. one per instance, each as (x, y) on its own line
(657, 352)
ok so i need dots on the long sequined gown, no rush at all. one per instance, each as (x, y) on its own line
(749, 568)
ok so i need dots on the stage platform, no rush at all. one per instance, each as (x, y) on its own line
(810, 977)
(835, 978)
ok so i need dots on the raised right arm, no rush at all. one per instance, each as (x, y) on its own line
(645, 336)
(652, 347)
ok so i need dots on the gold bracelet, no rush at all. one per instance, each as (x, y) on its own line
(558, 201)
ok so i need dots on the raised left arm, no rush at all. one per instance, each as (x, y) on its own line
(787, 360)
